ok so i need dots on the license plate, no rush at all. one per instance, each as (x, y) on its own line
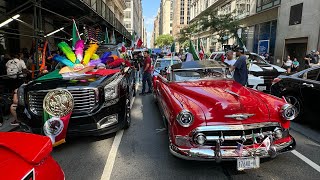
(262, 88)
(248, 163)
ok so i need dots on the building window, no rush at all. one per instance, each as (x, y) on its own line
(181, 11)
(266, 4)
(295, 14)
(127, 14)
(226, 9)
(127, 25)
(128, 4)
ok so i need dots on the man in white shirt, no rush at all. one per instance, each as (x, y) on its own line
(230, 61)
(189, 57)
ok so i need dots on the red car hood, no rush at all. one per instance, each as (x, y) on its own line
(221, 98)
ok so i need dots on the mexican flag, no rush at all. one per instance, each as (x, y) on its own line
(75, 34)
(193, 51)
(201, 49)
(106, 37)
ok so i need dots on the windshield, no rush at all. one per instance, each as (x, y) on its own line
(256, 59)
(161, 64)
(201, 74)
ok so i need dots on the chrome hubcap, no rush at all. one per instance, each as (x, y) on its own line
(295, 102)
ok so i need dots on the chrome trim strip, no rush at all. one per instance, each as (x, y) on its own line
(207, 154)
(232, 93)
(235, 127)
(239, 116)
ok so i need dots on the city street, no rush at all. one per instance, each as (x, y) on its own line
(143, 154)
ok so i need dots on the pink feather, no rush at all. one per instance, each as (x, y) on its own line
(79, 46)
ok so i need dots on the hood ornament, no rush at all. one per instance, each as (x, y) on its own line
(239, 116)
(232, 93)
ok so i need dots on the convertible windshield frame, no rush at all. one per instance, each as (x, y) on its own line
(225, 72)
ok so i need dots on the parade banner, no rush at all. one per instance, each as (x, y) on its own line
(57, 108)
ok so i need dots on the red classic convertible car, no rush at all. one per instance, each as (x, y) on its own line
(27, 157)
(209, 116)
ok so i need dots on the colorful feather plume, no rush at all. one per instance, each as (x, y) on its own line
(95, 57)
(63, 60)
(79, 49)
(94, 62)
(65, 48)
(105, 56)
(89, 52)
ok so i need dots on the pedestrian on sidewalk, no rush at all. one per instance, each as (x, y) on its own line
(13, 108)
(146, 76)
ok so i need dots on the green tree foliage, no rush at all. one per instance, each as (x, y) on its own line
(164, 40)
(186, 33)
(225, 25)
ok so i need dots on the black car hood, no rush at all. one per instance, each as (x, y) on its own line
(89, 81)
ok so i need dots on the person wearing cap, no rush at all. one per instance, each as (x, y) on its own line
(240, 67)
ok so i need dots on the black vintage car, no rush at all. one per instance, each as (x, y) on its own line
(302, 89)
(101, 106)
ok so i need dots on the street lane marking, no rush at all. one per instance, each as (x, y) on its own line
(107, 171)
(112, 156)
(306, 160)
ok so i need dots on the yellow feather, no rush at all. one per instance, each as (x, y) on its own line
(89, 52)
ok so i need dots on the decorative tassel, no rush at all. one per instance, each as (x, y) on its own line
(79, 49)
(89, 52)
(65, 48)
(63, 60)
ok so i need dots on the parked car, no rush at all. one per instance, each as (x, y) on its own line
(302, 89)
(27, 157)
(101, 103)
(161, 65)
(208, 115)
(261, 73)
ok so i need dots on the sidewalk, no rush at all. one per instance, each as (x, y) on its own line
(306, 131)
(6, 126)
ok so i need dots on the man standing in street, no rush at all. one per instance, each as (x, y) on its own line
(240, 67)
(146, 74)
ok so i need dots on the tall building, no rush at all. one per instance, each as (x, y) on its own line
(166, 16)
(277, 27)
(133, 19)
(181, 16)
(156, 28)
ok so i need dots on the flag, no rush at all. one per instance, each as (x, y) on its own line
(75, 33)
(123, 47)
(192, 50)
(133, 39)
(200, 48)
(266, 142)
(139, 43)
(254, 140)
(173, 47)
(106, 37)
(239, 149)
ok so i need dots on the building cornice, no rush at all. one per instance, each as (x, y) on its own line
(121, 4)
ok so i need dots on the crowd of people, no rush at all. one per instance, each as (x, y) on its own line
(292, 64)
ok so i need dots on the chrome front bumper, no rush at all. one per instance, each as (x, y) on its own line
(224, 154)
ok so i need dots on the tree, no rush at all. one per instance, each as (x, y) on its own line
(225, 25)
(186, 33)
(164, 40)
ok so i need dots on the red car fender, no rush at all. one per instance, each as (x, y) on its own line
(274, 105)
(27, 154)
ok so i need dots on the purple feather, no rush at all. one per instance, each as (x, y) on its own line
(94, 62)
(105, 56)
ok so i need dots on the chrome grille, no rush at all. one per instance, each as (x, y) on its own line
(230, 136)
(84, 100)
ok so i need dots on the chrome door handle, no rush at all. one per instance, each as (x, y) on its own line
(308, 85)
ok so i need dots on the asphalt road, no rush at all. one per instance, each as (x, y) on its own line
(143, 154)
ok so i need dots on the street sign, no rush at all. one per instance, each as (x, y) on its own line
(263, 47)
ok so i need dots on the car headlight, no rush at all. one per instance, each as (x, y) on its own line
(185, 118)
(288, 112)
(21, 99)
(111, 91)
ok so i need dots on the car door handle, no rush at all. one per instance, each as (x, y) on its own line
(308, 85)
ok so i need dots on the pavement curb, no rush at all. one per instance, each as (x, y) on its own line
(306, 131)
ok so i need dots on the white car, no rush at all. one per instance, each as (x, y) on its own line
(261, 73)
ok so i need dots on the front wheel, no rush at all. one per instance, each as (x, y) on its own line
(127, 115)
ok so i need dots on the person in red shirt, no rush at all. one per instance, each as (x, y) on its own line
(146, 73)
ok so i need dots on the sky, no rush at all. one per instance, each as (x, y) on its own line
(150, 10)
